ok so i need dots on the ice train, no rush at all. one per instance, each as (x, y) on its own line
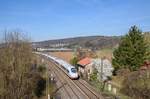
(70, 70)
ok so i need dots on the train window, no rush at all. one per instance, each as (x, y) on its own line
(73, 70)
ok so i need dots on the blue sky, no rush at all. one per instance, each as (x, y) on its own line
(52, 19)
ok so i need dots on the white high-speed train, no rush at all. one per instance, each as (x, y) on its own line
(70, 70)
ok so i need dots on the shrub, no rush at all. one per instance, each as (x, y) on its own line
(40, 85)
(41, 68)
(137, 85)
(123, 72)
(93, 76)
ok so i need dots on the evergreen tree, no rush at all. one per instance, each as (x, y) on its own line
(132, 51)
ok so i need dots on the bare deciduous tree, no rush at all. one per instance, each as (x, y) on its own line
(16, 77)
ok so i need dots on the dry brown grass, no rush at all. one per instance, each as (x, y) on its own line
(67, 56)
(105, 53)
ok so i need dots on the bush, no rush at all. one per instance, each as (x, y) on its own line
(74, 61)
(137, 85)
(123, 72)
(41, 68)
(40, 85)
(93, 76)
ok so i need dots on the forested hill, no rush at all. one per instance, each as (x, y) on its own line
(95, 42)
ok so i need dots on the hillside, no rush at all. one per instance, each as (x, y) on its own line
(95, 42)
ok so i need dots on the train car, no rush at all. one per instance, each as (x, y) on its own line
(70, 70)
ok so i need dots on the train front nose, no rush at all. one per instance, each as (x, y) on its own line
(75, 75)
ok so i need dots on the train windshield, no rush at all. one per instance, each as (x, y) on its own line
(73, 70)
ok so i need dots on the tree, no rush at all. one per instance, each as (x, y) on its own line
(132, 51)
(88, 44)
(74, 61)
(17, 78)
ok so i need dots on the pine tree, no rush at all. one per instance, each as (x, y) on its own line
(132, 51)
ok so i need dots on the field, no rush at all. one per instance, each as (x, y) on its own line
(63, 55)
(105, 53)
(68, 55)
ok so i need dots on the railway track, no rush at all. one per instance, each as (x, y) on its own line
(78, 94)
(71, 93)
(61, 82)
(89, 92)
(75, 89)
